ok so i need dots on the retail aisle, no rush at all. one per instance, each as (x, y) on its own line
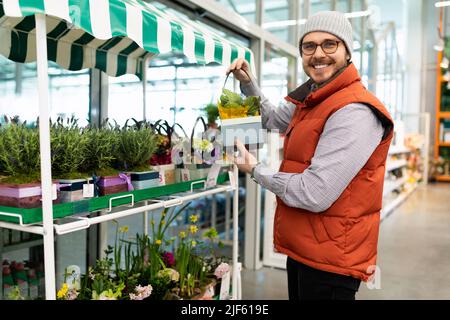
(414, 253)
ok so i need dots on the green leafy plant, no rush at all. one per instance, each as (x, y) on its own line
(135, 148)
(68, 145)
(19, 153)
(212, 113)
(230, 99)
(101, 148)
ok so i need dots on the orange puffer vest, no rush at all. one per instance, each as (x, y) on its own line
(343, 239)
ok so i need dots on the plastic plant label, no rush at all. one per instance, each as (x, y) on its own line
(225, 287)
(162, 178)
(88, 190)
(185, 175)
(211, 180)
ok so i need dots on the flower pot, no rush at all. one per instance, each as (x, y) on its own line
(247, 130)
(27, 195)
(166, 173)
(114, 184)
(72, 189)
(195, 171)
(144, 180)
(207, 292)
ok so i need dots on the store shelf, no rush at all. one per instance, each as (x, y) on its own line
(24, 217)
(390, 186)
(444, 144)
(444, 115)
(22, 245)
(395, 164)
(398, 150)
(443, 178)
(85, 222)
(389, 207)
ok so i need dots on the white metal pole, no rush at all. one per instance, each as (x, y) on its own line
(227, 215)
(46, 170)
(146, 220)
(144, 88)
(235, 231)
(213, 211)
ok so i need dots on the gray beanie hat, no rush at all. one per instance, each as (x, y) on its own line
(333, 22)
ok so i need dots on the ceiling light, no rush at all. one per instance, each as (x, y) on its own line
(358, 14)
(442, 4)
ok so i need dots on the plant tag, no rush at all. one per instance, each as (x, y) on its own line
(185, 175)
(88, 190)
(225, 286)
(232, 179)
(54, 192)
(162, 178)
(211, 180)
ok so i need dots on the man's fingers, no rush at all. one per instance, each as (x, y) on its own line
(240, 146)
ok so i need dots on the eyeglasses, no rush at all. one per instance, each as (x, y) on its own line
(328, 46)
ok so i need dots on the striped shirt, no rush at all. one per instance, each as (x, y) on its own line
(349, 138)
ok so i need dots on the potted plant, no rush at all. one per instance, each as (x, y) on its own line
(101, 149)
(211, 112)
(162, 158)
(20, 164)
(68, 149)
(136, 146)
(197, 155)
(240, 118)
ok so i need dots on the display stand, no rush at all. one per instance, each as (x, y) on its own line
(137, 29)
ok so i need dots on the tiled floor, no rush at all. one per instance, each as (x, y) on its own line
(413, 254)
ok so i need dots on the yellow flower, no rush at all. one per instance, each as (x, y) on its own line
(193, 229)
(158, 242)
(194, 218)
(182, 234)
(63, 291)
(193, 243)
(163, 222)
(152, 222)
(123, 229)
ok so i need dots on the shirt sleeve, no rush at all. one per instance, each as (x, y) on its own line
(273, 118)
(349, 138)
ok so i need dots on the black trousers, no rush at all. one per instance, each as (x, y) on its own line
(306, 283)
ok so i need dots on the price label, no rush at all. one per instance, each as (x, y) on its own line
(185, 175)
(88, 190)
(211, 180)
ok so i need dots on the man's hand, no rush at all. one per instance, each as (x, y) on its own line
(244, 159)
(240, 69)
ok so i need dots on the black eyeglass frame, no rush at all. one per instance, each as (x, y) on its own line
(337, 42)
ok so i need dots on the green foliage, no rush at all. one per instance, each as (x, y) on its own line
(68, 146)
(19, 151)
(101, 148)
(135, 148)
(229, 99)
(212, 112)
(253, 103)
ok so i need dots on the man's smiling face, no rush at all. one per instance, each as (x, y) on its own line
(321, 66)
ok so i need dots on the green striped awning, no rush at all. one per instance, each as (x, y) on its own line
(114, 36)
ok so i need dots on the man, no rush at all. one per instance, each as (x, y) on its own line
(330, 183)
